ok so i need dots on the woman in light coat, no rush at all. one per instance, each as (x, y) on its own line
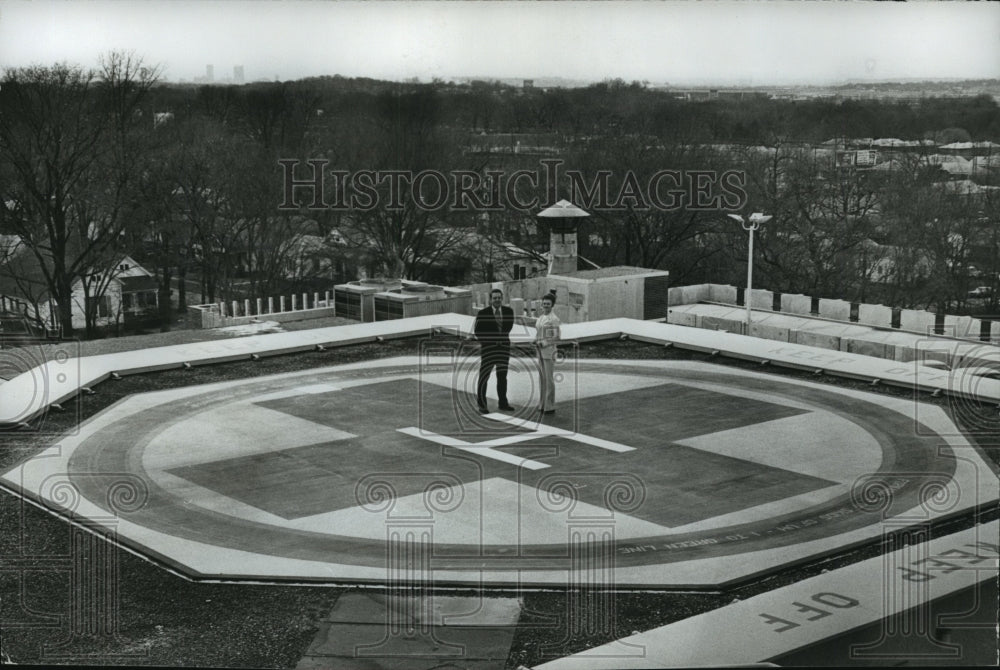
(546, 336)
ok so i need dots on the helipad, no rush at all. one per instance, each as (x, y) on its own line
(650, 473)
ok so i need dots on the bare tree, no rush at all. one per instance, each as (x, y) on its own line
(654, 219)
(405, 233)
(69, 138)
(823, 215)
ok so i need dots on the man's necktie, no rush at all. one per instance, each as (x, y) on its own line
(496, 314)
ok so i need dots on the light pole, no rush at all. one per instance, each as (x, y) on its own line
(756, 219)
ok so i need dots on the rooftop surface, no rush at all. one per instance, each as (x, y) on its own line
(707, 460)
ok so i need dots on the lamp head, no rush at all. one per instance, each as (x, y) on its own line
(758, 217)
(735, 217)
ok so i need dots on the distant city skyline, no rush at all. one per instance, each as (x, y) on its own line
(681, 43)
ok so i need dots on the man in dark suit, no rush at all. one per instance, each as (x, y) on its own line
(492, 331)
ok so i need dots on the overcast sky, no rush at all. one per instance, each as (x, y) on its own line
(670, 41)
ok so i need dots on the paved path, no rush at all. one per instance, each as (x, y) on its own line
(369, 631)
(778, 622)
(62, 375)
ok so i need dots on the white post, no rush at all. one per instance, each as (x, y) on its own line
(282, 303)
(270, 304)
(305, 301)
(258, 306)
(294, 303)
(751, 225)
(749, 298)
(246, 306)
(236, 311)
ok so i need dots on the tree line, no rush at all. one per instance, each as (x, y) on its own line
(96, 163)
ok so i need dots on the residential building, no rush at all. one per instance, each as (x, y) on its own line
(129, 296)
(476, 257)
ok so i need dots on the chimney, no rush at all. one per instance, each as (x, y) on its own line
(563, 219)
(562, 246)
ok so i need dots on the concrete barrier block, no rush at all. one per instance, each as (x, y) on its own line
(682, 318)
(975, 329)
(722, 293)
(875, 315)
(813, 339)
(718, 323)
(762, 299)
(863, 347)
(708, 322)
(796, 303)
(917, 321)
(959, 326)
(968, 327)
(839, 310)
(764, 331)
(301, 315)
(945, 356)
(695, 294)
(675, 296)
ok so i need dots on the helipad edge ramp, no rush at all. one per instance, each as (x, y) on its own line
(781, 621)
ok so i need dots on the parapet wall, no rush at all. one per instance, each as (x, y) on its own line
(919, 322)
(241, 312)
